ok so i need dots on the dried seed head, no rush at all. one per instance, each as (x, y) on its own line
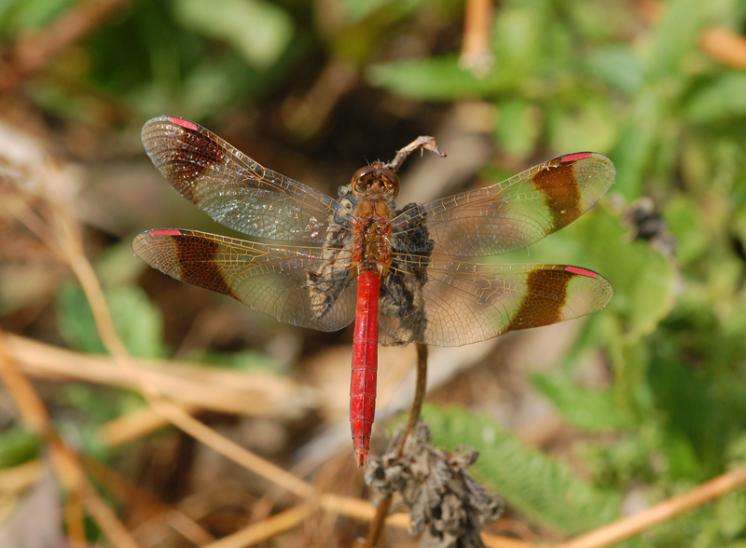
(446, 504)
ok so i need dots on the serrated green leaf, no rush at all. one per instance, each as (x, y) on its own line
(540, 487)
(259, 30)
(437, 79)
(137, 320)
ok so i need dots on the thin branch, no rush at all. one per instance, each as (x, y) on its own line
(419, 395)
(261, 394)
(726, 46)
(376, 526)
(68, 469)
(423, 142)
(635, 524)
(265, 529)
(75, 520)
(233, 451)
(125, 491)
(475, 52)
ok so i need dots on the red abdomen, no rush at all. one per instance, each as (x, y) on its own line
(364, 364)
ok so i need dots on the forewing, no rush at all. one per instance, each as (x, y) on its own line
(511, 214)
(232, 188)
(270, 278)
(466, 302)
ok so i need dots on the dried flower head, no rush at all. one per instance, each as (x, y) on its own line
(445, 503)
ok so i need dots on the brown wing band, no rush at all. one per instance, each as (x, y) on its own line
(546, 293)
(198, 266)
(194, 155)
(562, 199)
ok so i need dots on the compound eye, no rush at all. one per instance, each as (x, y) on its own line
(392, 187)
(361, 185)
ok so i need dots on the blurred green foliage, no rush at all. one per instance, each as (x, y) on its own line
(566, 75)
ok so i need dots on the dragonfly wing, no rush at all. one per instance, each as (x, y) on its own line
(294, 284)
(511, 214)
(232, 188)
(462, 303)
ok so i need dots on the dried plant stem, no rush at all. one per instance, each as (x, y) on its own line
(260, 394)
(126, 491)
(635, 524)
(423, 142)
(724, 45)
(74, 518)
(419, 395)
(66, 465)
(376, 526)
(265, 529)
(20, 477)
(475, 52)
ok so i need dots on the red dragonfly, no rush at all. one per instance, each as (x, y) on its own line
(421, 273)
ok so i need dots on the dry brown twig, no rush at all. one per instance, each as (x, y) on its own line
(726, 46)
(475, 52)
(723, 45)
(64, 461)
(258, 394)
(666, 510)
(166, 515)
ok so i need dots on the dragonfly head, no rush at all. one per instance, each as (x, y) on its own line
(375, 181)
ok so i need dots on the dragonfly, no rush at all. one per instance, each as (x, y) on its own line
(423, 273)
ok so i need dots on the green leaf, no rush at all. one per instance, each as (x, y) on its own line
(637, 142)
(355, 10)
(438, 79)
(138, 322)
(683, 219)
(675, 37)
(593, 127)
(25, 15)
(17, 446)
(261, 31)
(591, 410)
(518, 36)
(538, 486)
(117, 265)
(721, 101)
(518, 127)
(618, 66)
